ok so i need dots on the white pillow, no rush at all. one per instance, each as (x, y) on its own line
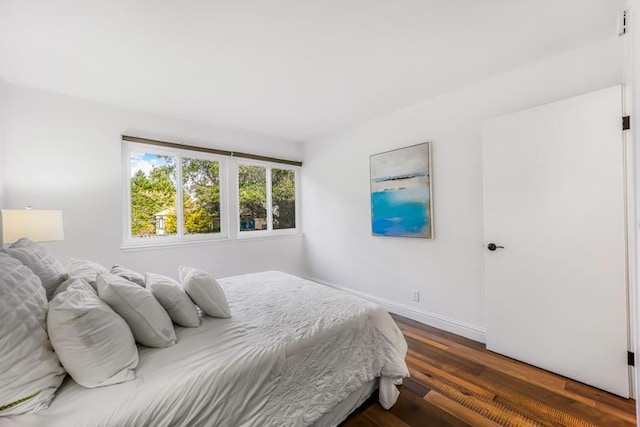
(41, 261)
(94, 344)
(79, 268)
(149, 322)
(129, 274)
(63, 287)
(30, 371)
(174, 299)
(204, 291)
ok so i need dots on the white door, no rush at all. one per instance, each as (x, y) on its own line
(554, 198)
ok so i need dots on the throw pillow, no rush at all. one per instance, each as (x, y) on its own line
(129, 274)
(41, 261)
(205, 291)
(149, 322)
(94, 344)
(30, 371)
(172, 296)
(79, 268)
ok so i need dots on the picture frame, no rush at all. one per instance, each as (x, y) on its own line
(401, 192)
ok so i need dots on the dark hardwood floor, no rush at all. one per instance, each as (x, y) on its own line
(458, 382)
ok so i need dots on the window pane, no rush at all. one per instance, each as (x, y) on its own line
(201, 196)
(283, 194)
(252, 187)
(153, 195)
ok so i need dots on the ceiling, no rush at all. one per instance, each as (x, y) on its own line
(291, 68)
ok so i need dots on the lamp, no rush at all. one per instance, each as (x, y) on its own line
(35, 224)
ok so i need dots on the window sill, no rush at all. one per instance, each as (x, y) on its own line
(132, 247)
(264, 234)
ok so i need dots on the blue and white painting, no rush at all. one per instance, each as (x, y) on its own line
(401, 192)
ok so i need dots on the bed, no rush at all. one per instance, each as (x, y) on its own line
(294, 353)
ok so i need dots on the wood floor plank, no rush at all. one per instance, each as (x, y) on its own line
(435, 333)
(415, 387)
(510, 366)
(483, 406)
(531, 398)
(425, 340)
(424, 367)
(544, 379)
(359, 420)
(600, 395)
(440, 357)
(631, 418)
(534, 376)
(383, 418)
(459, 411)
(457, 382)
(494, 386)
(416, 411)
(547, 407)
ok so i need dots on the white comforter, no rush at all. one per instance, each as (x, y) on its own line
(292, 351)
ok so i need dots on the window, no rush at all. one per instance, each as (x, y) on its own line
(267, 197)
(157, 211)
(252, 191)
(283, 196)
(174, 195)
(153, 195)
(201, 196)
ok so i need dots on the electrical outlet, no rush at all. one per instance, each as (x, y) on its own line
(416, 296)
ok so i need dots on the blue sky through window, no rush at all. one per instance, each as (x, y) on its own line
(145, 162)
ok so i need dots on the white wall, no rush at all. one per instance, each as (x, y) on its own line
(65, 153)
(448, 271)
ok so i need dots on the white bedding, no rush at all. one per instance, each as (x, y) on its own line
(291, 352)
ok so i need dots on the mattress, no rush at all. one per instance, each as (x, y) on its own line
(292, 351)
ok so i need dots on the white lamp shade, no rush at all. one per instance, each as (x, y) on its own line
(37, 225)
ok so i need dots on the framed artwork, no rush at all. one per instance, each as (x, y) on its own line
(401, 202)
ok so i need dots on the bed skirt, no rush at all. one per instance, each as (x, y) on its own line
(342, 410)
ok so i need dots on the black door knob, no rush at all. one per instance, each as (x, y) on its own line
(493, 247)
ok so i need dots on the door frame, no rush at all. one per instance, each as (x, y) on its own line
(630, 200)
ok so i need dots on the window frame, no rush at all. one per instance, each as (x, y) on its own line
(252, 234)
(229, 199)
(131, 241)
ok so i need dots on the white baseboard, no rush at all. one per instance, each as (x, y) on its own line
(458, 327)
